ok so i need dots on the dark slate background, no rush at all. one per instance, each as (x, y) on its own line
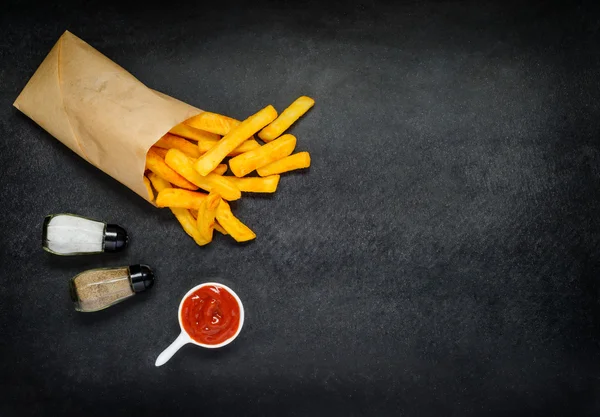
(440, 257)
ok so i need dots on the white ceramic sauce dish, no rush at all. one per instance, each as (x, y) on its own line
(184, 338)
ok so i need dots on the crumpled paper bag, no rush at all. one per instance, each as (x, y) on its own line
(99, 110)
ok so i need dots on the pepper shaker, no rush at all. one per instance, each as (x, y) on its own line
(97, 289)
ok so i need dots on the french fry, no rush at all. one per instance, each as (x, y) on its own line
(205, 222)
(177, 197)
(217, 226)
(149, 188)
(188, 223)
(246, 146)
(184, 216)
(169, 141)
(296, 161)
(213, 122)
(256, 185)
(286, 118)
(183, 165)
(266, 154)
(238, 230)
(220, 169)
(209, 161)
(220, 229)
(160, 151)
(192, 133)
(157, 165)
(205, 145)
(221, 185)
(158, 182)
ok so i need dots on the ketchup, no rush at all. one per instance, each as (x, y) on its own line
(210, 315)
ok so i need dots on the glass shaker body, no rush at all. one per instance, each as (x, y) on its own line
(97, 289)
(69, 234)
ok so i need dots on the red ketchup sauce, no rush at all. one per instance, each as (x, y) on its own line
(210, 315)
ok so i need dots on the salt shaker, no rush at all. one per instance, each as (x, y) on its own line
(69, 234)
(97, 289)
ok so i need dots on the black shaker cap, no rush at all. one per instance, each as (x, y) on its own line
(115, 238)
(141, 277)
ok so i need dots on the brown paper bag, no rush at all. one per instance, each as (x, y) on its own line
(99, 110)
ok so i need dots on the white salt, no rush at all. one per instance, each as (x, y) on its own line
(68, 234)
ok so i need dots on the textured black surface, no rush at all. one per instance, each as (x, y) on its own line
(440, 257)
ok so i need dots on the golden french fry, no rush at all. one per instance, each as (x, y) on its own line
(184, 216)
(246, 146)
(220, 229)
(217, 226)
(177, 197)
(221, 185)
(158, 182)
(209, 161)
(184, 165)
(192, 133)
(205, 146)
(160, 151)
(256, 185)
(286, 118)
(157, 165)
(270, 152)
(188, 223)
(238, 230)
(296, 161)
(220, 170)
(149, 188)
(169, 141)
(213, 122)
(205, 222)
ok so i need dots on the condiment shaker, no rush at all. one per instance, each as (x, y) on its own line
(69, 234)
(97, 289)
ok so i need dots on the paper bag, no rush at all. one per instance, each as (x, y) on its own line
(99, 110)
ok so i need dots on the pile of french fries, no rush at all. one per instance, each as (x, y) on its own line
(191, 157)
